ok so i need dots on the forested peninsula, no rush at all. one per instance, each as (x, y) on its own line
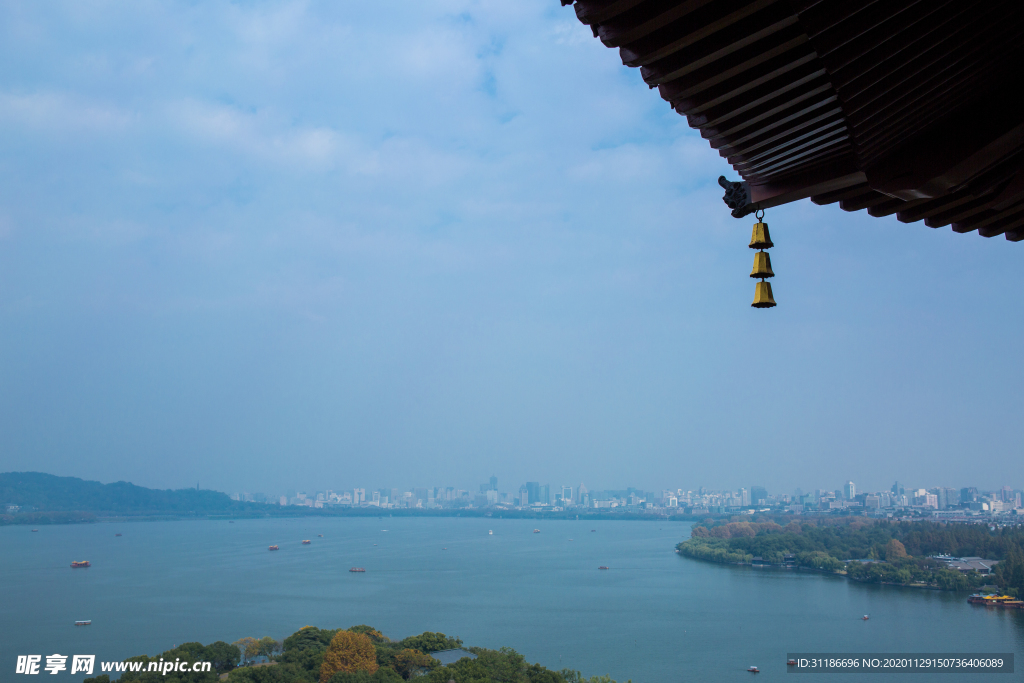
(900, 553)
(360, 654)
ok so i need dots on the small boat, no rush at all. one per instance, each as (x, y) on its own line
(790, 662)
(84, 622)
(593, 531)
(117, 534)
(536, 531)
(273, 547)
(444, 548)
(320, 535)
(357, 569)
(490, 533)
(865, 617)
(603, 567)
(35, 530)
(306, 542)
(754, 670)
(80, 563)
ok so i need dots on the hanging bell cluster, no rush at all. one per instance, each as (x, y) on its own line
(761, 240)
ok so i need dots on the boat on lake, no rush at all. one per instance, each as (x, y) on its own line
(490, 533)
(790, 662)
(754, 670)
(357, 569)
(536, 531)
(273, 547)
(83, 622)
(865, 617)
(35, 530)
(320, 535)
(117, 534)
(80, 563)
(306, 542)
(603, 567)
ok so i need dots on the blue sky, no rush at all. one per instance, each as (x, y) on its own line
(280, 245)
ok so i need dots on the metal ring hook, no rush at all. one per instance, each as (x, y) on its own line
(759, 215)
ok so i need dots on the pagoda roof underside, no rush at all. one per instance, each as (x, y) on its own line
(904, 107)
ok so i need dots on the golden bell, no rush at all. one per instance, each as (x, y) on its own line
(762, 265)
(763, 295)
(759, 238)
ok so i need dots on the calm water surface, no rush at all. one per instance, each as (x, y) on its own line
(653, 616)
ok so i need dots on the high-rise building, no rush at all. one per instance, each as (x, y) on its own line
(494, 483)
(544, 494)
(532, 493)
(849, 491)
(947, 498)
(758, 495)
(567, 498)
(744, 497)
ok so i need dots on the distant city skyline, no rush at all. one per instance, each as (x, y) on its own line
(963, 503)
(342, 483)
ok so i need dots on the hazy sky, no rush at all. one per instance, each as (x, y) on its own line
(299, 245)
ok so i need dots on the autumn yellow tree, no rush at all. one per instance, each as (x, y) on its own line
(894, 550)
(248, 647)
(375, 635)
(348, 652)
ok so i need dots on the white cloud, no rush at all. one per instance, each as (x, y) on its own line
(63, 112)
(257, 135)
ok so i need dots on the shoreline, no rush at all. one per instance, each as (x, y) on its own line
(89, 517)
(843, 573)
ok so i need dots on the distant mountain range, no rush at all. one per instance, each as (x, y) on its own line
(39, 492)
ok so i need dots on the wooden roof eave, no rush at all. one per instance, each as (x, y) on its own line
(842, 101)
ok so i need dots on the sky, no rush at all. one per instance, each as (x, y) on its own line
(272, 246)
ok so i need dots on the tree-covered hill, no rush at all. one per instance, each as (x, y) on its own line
(360, 654)
(39, 492)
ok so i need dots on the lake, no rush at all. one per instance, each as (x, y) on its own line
(653, 616)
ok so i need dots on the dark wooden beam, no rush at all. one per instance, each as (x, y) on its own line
(680, 34)
(596, 11)
(837, 195)
(866, 200)
(765, 30)
(786, 143)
